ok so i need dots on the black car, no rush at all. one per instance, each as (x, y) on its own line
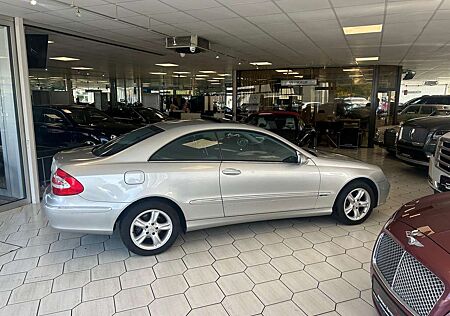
(138, 116)
(286, 124)
(72, 126)
(417, 138)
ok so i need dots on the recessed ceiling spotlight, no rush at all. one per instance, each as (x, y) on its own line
(261, 63)
(239, 63)
(375, 58)
(82, 68)
(158, 73)
(363, 29)
(63, 58)
(207, 71)
(167, 65)
(351, 69)
(217, 57)
(51, 42)
(33, 2)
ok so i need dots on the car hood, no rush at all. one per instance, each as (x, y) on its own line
(431, 216)
(335, 156)
(430, 122)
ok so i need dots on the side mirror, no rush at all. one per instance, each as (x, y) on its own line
(301, 159)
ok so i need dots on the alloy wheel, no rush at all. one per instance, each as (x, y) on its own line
(151, 229)
(357, 204)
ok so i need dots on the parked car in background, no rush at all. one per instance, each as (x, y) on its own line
(417, 138)
(439, 167)
(286, 124)
(411, 260)
(356, 102)
(137, 116)
(72, 126)
(171, 177)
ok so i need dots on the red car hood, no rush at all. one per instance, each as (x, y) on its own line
(431, 216)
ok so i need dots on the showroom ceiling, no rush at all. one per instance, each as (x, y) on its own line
(283, 32)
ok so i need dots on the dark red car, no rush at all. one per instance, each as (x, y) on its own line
(411, 260)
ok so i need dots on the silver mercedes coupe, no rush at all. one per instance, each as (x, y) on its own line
(169, 178)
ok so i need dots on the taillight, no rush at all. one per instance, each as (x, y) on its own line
(64, 184)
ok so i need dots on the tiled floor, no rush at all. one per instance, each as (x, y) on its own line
(287, 267)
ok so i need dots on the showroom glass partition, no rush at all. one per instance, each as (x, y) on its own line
(331, 98)
(12, 184)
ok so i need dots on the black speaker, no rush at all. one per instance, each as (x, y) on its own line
(409, 74)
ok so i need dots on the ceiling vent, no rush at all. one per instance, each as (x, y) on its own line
(187, 44)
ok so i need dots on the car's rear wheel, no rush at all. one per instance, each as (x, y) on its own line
(354, 203)
(149, 228)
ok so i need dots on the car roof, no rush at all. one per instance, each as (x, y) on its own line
(281, 113)
(60, 106)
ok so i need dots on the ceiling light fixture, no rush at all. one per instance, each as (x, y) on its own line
(207, 71)
(158, 73)
(204, 76)
(359, 59)
(351, 69)
(261, 63)
(181, 72)
(33, 2)
(62, 58)
(217, 57)
(82, 68)
(291, 73)
(213, 80)
(78, 13)
(218, 78)
(200, 79)
(355, 76)
(299, 76)
(215, 83)
(51, 42)
(363, 29)
(179, 76)
(167, 65)
(281, 70)
(224, 75)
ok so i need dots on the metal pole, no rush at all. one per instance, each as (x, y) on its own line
(373, 106)
(234, 95)
(113, 92)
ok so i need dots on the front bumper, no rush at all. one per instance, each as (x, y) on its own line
(75, 214)
(415, 154)
(437, 178)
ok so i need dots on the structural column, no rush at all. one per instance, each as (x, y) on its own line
(373, 106)
(234, 95)
(113, 91)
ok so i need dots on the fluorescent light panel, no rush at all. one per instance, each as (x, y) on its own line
(167, 65)
(207, 71)
(179, 76)
(63, 58)
(351, 69)
(203, 76)
(224, 75)
(261, 63)
(82, 68)
(158, 73)
(359, 59)
(281, 70)
(363, 29)
(299, 76)
(181, 72)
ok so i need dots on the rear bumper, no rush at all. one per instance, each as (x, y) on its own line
(383, 192)
(75, 214)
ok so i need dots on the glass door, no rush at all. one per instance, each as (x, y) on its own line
(12, 186)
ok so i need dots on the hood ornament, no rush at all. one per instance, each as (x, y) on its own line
(412, 241)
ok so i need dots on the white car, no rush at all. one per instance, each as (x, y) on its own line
(172, 177)
(439, 166)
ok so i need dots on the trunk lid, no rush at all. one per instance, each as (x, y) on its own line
(73, 156)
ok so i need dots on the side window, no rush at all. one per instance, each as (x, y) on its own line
(414, 109)
(253, 146)
(198, 146)
(51, 116)
(37, 115)
(427, 109)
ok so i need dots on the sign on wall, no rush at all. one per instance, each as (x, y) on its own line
(300, 82)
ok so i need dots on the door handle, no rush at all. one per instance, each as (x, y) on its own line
(231, 172)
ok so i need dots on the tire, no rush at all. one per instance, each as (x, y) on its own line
(343, 209)
(140, 231)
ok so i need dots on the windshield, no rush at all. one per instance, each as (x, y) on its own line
(88, 116)
(125, 141)
(151, 114)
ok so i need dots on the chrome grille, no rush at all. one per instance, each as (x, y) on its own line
(416, 286)
(413, 134)
(443, 155)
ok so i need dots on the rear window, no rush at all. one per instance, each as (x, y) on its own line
(123, 142)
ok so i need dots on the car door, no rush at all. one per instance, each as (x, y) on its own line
(54, 128)
(260, 174)
(187, 169)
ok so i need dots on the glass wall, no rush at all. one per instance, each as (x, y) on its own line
(12, 186)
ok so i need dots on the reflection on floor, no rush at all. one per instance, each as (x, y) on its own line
(286, 267)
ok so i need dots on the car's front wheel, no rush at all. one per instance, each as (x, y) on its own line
(149, 228)
(354, 203)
